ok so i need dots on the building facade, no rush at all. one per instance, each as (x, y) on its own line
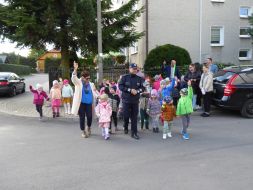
(206, 28)
(55, 54)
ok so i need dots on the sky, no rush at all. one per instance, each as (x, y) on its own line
(7, 47)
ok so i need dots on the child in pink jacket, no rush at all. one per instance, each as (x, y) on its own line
(55, 95)
(104, 111)
(156, 84)
(38, 98)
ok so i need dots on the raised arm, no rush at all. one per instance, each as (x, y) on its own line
(74, 77)
(31, 89)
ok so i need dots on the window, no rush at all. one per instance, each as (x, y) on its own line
(247, 77)
(223, 77)
(134, 48)
(245, 54)
(245, 12)
(218, 1)
(217, 36)
(244, 32)
(16, 77)
(12, 77)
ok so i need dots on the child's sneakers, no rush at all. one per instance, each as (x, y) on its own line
(186, 136)
(164, 136)
(107, 137)
(169, 135)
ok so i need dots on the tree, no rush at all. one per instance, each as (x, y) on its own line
(36, 53)
(68, 24)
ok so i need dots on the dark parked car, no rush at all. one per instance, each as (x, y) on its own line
(233, 89)
(11, 84)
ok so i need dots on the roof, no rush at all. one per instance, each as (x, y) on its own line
(50, 51)
(6, 73)
(239, 69)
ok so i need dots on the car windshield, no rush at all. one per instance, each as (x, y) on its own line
(4, 76)
(223, 76)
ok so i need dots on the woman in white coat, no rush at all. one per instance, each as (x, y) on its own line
(84, 97)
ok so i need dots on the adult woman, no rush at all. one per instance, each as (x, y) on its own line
(206, 86)
(84, 97)
(194, 76)
(198, 68)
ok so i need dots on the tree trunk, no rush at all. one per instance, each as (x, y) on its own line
(65, 62)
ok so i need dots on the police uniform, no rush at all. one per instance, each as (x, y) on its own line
(130, 101)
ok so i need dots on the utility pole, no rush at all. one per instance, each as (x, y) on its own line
(100, 51)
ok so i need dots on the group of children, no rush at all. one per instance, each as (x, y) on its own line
(156, 104)
(60, 93)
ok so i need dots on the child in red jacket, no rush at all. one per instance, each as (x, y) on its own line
(38, 98)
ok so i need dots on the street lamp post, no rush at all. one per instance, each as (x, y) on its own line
(99, 28)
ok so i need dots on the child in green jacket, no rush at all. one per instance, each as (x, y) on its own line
(184, 108)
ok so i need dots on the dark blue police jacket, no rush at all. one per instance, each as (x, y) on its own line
(128, 82)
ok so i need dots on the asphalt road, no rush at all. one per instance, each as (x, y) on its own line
(51, 155)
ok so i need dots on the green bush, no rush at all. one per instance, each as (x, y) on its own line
(87, 62)
(223, 65)
(120, 59)
(166, 52)
(108, 61)
(28, 62)
(51, 63)
(18, 69)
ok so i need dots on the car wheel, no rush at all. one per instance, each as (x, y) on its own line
(13, 91)
(247, 109)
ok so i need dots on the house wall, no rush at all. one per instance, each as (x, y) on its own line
(178, 23)
(41, 60)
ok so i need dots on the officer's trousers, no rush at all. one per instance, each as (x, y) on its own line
(131, 111)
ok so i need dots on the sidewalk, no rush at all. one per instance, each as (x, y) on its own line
(22, 104)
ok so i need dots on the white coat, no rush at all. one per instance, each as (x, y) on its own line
(78, 93)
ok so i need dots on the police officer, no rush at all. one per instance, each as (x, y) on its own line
(131, 86)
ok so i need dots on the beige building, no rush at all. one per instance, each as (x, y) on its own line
(216, 28)
(56, 54)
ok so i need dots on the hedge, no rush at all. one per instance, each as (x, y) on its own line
(28, 62)
(18, 69)
(166, 52)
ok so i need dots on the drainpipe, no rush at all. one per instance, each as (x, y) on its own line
(147, 37)
(200, 29)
